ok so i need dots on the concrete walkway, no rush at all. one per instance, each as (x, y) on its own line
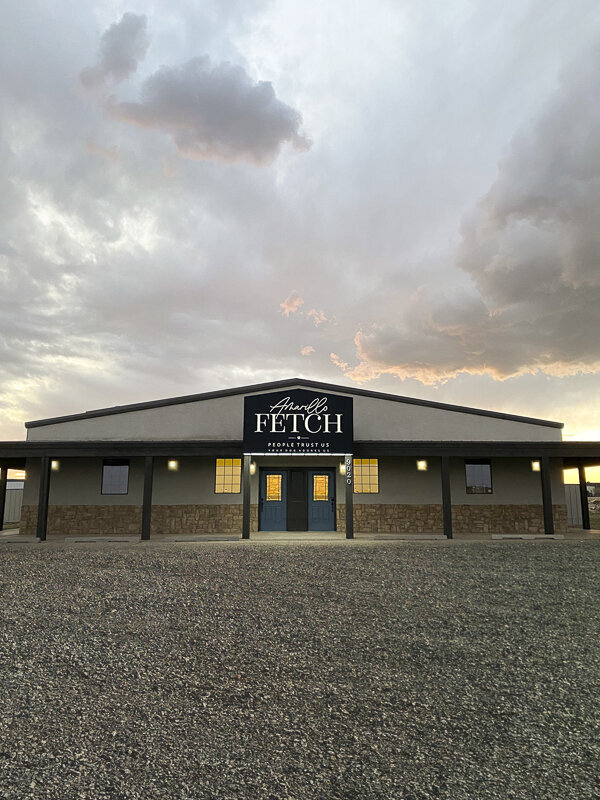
(12, 536)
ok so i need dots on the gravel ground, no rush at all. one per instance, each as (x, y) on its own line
(383, 670)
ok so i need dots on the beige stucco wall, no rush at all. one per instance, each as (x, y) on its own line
(513, 482)
(222, 418)
(78, 482)
(390, 420)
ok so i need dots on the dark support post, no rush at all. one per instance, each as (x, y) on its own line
(585, 509)
(147, 501)
(3, 475)
(446, 497)
(246, 497)
(349, 463)
(44, 495)
(547, 495)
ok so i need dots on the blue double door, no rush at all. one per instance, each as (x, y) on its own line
(296, 499)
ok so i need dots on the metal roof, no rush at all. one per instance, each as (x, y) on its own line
(285, 384)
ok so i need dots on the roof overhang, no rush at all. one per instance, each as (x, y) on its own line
(574, 453)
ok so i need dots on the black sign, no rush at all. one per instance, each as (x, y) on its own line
(298, 421)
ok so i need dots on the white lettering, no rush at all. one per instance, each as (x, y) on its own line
(295, 418)
(316, 406)
(275, 421)
(260, 423)
(307, 426)
(338, 423)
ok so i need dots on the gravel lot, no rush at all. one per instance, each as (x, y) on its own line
(381, 670)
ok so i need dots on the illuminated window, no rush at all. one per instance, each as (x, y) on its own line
(273, 487)
(366, 476)
(320, 487)
(115, 476)
(228, 476)
(478, 477)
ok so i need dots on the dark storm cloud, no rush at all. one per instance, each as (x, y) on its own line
(531, 248)
(215, 112)
(122, 47)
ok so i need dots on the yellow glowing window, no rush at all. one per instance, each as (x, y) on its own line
(273, 487)
(320, 487)
(228, 476)
(366, 476)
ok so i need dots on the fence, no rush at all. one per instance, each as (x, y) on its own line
(14, 500)
(573, 505)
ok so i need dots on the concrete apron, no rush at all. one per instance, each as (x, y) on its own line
(295, 537)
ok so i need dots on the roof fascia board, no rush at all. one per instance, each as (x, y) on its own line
(172, 449)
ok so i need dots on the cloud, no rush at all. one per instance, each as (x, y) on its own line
(291, 304)
(122, 47)
(531, 250)
(339, 362)
(215, 112)
(150, 275)
(318, 317)
(307, 350)
(111, 153)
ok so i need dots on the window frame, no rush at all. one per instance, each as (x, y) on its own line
(215, 488)
(479, 462)
(360, 466)
(115, 462)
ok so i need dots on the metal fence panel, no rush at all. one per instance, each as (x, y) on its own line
(573, 505)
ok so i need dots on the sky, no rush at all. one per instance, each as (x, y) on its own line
(397, 195)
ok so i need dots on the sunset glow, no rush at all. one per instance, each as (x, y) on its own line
(207, 195)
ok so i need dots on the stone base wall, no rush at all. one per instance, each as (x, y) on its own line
(201, 519)
(466, 519)
(127, 520)
(377, 518)
(393, 518)
(482, 519)
(85, 520)
(28, 520)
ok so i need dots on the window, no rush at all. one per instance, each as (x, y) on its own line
(115, 476)
(320, 487)
(366, 476)
(478, 477)
(274, 487)
(228, 476)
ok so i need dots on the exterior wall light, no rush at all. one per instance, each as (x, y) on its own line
(173, 465)
(55, 466)
(252, 467)
(535, 466)
(422, 465)
(342, 468)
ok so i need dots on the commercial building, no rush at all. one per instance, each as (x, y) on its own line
(294, 455)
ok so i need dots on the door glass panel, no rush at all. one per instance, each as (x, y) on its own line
(273, 487)
(320, 487)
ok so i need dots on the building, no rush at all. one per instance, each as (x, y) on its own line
(294, 455)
